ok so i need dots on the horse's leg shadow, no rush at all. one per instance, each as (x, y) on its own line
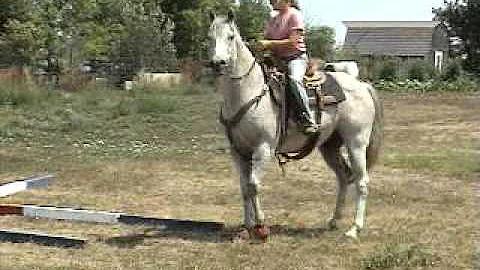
(152, 234)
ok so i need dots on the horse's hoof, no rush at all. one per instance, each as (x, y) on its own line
(258, 232)
(261, 232)
(353, 233)
(332, 224)
(242, 236)
(344, 239)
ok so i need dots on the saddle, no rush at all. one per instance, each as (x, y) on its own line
(323, 92)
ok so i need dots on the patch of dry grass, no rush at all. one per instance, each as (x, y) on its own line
(422, 214)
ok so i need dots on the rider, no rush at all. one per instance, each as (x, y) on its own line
(285, 37)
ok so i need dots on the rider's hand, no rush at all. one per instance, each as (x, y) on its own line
(264, 44)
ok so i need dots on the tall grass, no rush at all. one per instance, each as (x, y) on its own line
(22, 92)
(395, 256)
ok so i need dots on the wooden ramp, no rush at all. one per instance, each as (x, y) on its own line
(32, 182)
(41, 239)
(82, 215)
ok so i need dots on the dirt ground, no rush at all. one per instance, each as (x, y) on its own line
(423, 204)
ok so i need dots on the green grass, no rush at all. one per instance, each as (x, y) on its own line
(465, 159)
(94, 125)
(161, 154)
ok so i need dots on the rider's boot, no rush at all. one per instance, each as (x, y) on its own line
(305, 120)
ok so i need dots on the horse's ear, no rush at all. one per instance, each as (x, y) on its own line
(212, 15)
(231, 15)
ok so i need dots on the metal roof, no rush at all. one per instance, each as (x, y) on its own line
(396, 38)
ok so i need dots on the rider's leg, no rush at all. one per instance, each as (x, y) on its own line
(296, 69)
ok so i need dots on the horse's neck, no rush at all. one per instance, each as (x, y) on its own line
(239, 91)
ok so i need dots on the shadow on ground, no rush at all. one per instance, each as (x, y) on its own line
(224, 236)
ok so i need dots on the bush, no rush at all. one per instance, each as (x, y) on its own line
(75, 80)
(388, 71)
(16, 93)
(461, 84)
(420, 70)
(452, 71)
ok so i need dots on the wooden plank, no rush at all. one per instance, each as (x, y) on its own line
(7, 209)
(41, 239)
(39, 181)
(172, 224)
(32, 182)
(70, 214)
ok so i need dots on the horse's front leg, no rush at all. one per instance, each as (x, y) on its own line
(251, 170)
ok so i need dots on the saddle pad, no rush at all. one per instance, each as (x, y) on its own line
(331, 88)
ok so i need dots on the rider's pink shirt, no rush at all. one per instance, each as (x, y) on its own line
(282, 26)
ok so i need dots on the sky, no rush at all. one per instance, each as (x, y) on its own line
(332, 13)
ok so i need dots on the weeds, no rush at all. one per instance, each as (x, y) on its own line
(392, 256)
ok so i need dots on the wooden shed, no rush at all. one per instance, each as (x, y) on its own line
(404, 39)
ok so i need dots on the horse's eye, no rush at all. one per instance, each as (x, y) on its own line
(231, 37)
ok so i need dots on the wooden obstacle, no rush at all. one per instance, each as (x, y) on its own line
(81, 215)
(32, 182)
(41, 239)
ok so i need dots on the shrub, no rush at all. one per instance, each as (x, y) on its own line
(461, 84)
(452, 71)
(75, 80)
(16, 93)
(420, 70)
(388, 71)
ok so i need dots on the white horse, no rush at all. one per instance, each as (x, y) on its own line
(348, 67)
(251, 117)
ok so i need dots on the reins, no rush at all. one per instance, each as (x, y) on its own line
(237, 117)
(239, 77)
(230, 123)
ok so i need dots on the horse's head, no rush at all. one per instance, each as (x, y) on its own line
(223, 36)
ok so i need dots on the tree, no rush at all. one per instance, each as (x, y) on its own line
(251, 18)
(321, 41)
(18, 35)
(191, 18)
(463, 19)
(143, 40)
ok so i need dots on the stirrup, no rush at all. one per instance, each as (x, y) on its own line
(310, 130)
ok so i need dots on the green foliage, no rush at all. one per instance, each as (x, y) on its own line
(388, 71)
(251, 18)
(19, 35)
(461, 84)
(463, 18)
(343, 54)
(129, 34)
(420, 70)
(144, 41)
(191, 20)
(20, 93)
(452, 71)
(321, 42)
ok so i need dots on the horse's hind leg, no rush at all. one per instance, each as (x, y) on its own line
(357, 148)
(331, 153)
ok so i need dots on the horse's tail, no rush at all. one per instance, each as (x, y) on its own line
(376, 137)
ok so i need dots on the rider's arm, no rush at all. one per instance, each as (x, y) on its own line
(268, 44)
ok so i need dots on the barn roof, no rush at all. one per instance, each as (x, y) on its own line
(397, 38)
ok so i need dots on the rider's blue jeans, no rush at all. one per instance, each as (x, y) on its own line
(296, 69)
